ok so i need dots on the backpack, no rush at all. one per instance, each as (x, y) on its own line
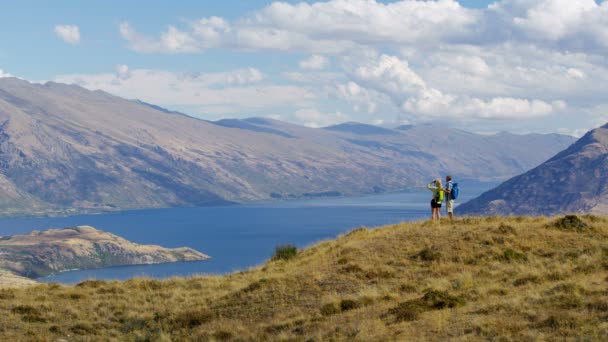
(454, 192)
(439, 197)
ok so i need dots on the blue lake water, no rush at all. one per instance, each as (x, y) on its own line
(240, 236)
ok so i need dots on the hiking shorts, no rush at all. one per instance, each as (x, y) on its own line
(435, 204)
(449, 206)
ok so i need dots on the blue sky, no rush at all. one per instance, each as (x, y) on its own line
(519, 65)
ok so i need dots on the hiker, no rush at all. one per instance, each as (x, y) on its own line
(437, 189)
(450, 195)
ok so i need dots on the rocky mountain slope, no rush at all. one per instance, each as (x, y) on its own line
(41, 253)
(65, 148)
(573, 181)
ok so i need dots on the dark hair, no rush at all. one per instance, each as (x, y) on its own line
(449, 178)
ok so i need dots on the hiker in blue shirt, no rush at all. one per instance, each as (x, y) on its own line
(449, 198)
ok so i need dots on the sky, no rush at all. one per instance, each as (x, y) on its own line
(484, 66)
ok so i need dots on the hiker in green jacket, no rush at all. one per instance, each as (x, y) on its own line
(437, 189)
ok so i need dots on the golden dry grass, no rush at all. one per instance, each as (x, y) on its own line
(505, 279)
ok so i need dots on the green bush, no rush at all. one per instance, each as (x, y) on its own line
(285, 252)
(571, 223)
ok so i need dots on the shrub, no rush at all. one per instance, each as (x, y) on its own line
(83, 328)
(440, 300)
(192, 318)
(29, 313)
(429, 254)
(90, 283)
(348, 304)
(329, 309)
(285, 252)
(431, 300)
(7, 294)
(526, 280)
(407, 288)
(505, 229)
(571, 223)
(406, 311)
(510, 255)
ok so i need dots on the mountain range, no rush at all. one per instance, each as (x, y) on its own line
(64, 148)
(573, 181)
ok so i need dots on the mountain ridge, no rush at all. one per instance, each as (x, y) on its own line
(65, 149)
(572, 181)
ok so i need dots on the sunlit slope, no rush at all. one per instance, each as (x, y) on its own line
(478, 279)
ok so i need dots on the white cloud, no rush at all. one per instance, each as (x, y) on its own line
(244, 76)
(171, 41)
(68, 33)
(362, 99)
(516, 59)
(323, 27)
(392, 76)
(547, 19)
(315, 62)
(313, 118)
(122, 72)
(4, 74)
(233, 92)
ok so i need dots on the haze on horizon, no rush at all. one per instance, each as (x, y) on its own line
(485, 66)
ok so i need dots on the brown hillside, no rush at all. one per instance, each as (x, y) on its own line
(515, 279)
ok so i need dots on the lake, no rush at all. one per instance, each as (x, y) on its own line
(240, 236)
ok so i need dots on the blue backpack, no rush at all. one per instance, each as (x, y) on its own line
(454, 193)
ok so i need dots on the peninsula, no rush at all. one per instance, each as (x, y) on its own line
(41, 253)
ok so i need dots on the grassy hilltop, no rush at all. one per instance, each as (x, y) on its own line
(481, 278)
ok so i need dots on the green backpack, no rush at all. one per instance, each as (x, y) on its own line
(439, 196)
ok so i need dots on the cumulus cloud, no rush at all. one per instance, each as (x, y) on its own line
(68, 33)
(517, 59)
(577, 24)
(362, 99)
(315, 62)
(393, 77)
(322, 27)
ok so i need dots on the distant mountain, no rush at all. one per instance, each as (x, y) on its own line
(252, 125)
(67, 149)
(359, 128)
(404, 127)
(573, 181)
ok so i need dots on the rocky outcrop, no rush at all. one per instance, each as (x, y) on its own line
(41, 253)
(573, 181)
